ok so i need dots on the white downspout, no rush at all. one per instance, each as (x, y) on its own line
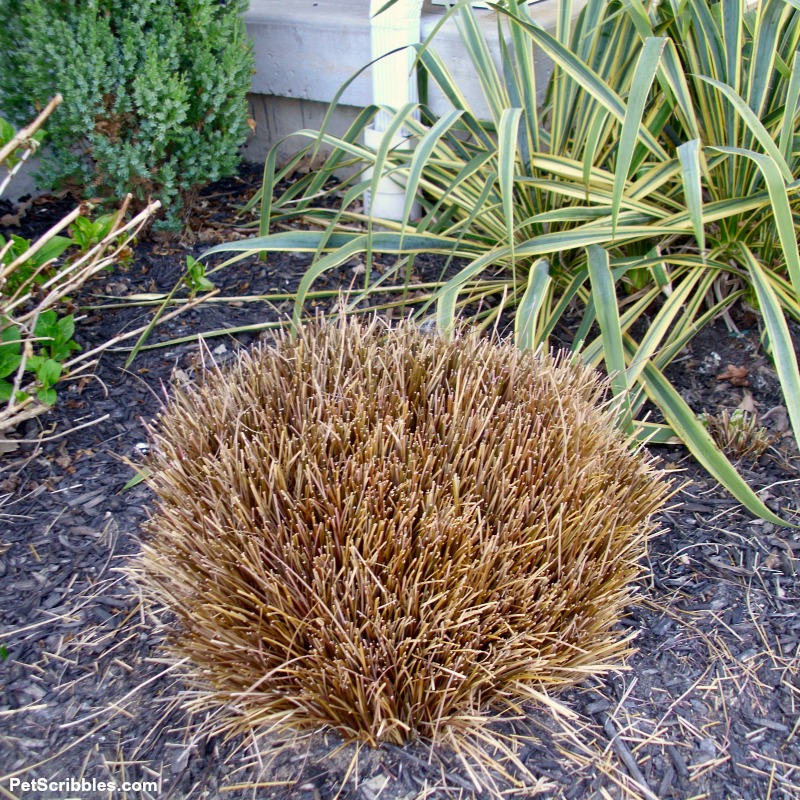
(393, 85)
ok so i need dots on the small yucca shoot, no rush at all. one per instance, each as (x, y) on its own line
(385, 531)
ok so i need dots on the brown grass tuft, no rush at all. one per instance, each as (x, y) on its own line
(738, 433)
(384, 531)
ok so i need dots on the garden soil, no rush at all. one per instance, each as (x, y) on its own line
(707, 706)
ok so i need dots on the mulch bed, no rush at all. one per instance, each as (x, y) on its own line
(707, 708)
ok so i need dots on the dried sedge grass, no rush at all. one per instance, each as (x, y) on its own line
(738, 433)
(384, 531)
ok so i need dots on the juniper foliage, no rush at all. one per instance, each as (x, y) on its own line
(155, 92)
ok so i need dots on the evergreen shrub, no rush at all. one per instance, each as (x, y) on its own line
(155, 91)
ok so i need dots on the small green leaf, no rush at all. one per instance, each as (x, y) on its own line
(103, 225)
(52, 250)
(82, 232)
(34, 362)
(46, 325)
(59, 351)
(47, 397)
(48, 373)
(9, 363)
(10, 336)
(3, 652)
(142, 474)
(66, 328)
(195, 277)
(5, 391)
(6, 132)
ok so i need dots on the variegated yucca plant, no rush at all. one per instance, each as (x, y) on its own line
(660, 177)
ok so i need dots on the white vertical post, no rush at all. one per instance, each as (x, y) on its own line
(393, 86)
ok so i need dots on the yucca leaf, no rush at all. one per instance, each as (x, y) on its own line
(782, 212)
(596, 129)
(654, 433)
(573, 288)
(605, 299)
(506, 153)
(661, 324)
(766, 36)
(780, 340)
(308, 241)
(709, 51)
(388, 141)
(643, 77)
(151, 325)
(593, 352)
(422, 154)
(438, 71)
(446, 310)
(527, 315)
(660, 273)
(525, 76)
(676, 78)
(474, 41)
(561, 108)
(786, 141)
(589, 80)
(689, 156)
(733, 38)
(754, 125)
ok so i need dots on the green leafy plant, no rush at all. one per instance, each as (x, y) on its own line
(7, 134)
(10, 358)
(37, 348)
(155, 92)
(16, 148)
(384, 531)
(659, 178)
(86, 233)
(47, 372)
(54, 345)
(195, 277)
(32, 265)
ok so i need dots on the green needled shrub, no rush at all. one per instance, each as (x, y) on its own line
(154, 91)
(385, 532)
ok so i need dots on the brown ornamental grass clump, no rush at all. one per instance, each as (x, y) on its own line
(385, 531)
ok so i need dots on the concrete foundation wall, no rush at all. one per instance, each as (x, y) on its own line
(307, 49)
(280, 117)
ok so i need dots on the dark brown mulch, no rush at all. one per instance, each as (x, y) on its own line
(708, 707)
